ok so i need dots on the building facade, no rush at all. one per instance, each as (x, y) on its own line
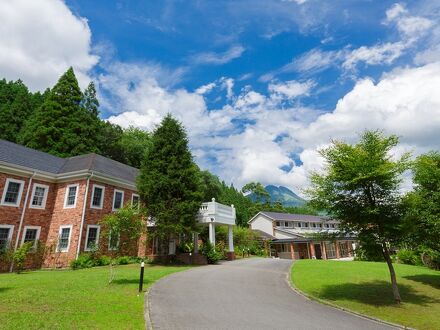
(299, 236)
(59, 201)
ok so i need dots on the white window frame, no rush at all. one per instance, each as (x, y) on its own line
(66, 194)
(46, 191)
(93, 195)
(114, 198)
(20, 192)
(132, 197)
(11, 231)
(37, 237)
(87, 236)
(117, 243)
(59, 236)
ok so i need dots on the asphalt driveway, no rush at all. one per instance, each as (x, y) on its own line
(245, 294)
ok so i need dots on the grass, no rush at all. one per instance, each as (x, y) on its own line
(80, 299)
(364, 287)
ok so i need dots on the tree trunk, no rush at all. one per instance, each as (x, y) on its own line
(386, 255)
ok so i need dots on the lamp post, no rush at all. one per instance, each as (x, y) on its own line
(141, 277)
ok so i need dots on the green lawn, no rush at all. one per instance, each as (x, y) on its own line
(66, 299)
(364, 287)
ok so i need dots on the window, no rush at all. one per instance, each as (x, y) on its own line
(113, 242)
(5, 236)
(135, 200)
(118, 199)
(278, 224)
(12, 192)
(97, 197)
(64, 238)
(92, 237)
(70, 198)
(31, 234)
(39, 196)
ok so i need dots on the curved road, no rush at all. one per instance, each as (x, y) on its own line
(245, 294)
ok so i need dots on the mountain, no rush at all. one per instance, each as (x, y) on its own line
(282, 194)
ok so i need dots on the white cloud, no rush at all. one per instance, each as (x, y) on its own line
(205, 88)
(219, 58)
(290, 89)
(40, 39)
(410, 26)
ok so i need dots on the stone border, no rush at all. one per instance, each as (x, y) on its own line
(147, 318)
(329, 304)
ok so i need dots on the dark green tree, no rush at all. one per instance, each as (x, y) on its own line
(89, 100)
(360, 187)
(168, 183)
(134, 144)
(61, 126)
(210, 185)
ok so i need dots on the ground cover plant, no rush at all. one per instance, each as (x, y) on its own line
(76, 299)
(364, 287)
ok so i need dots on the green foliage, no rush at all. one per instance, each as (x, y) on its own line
(211, 186)
(84, 260)
(134, 144)
(169, 182)
(369, 250)
(126, 225)
(89, 101)
(257, 189)
(61, 126)
(409, 257)
(88, 260)
(423, 204)
(20, 254)
(208, 250)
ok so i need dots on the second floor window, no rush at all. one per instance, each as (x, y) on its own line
(118, 199)
(98, 197)
(71, 192)
(39, 195)
(12, 192)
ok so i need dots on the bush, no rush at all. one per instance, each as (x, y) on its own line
(208, 250)
(103, 261)
(408, 257)
(20, 256)
(431, 258)
(84, 260)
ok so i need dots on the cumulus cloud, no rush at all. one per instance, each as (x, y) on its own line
(40, 39)
(290, 89)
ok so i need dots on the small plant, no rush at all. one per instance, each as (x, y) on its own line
(210, 253)
(84, 261)
(408, 257)
(20, 254)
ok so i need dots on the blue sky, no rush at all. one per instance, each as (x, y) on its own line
(260, 85)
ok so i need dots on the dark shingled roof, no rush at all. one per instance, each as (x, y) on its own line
(278, 216)
(16, 154)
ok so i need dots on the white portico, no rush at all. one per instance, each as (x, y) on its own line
(213, 213)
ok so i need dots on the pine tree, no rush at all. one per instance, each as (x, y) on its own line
(89, 100)
(168, 183)
(61, 126)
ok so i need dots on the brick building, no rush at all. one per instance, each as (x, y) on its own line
(59, 201)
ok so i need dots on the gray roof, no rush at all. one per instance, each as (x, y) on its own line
(278, 216)
(16, 154)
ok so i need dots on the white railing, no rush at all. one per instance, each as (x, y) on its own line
(217, 213)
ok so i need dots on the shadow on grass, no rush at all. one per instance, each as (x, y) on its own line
(377, 293)
(4, 289)
(130, 281)
(432, 280)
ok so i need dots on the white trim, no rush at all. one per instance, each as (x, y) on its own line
(46, 191)
(59, 236)
(114, 196)
(20, 192)
(93, 195)
(66, 194)
(11, 231)
(137, 195)
(87, 236)
(37, 237)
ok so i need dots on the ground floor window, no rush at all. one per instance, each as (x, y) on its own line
(31, 235)
(113, 242)
(5, 236)
(64, 238)
(92, 237)
(330, 249)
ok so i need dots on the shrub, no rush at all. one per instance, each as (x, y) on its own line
(20, 256)
(84, 261)
(124, 260)
(210, 253)
(103, 261)
(431, 258)
(408, 257)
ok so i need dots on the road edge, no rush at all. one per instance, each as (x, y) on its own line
(329, 304)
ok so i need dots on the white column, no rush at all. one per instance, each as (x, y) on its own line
(196, 243)
(230, 239)
(212, 233)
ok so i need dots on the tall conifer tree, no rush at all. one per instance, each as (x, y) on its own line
(61, 126)
(168, 183)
